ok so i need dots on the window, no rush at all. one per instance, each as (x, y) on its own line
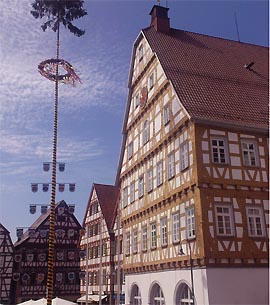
(151, 81)
(171, 168)
(125, 197)
(137, 100)
(190, 222)
(144, 238)
(184, 156)
(184, 295)
(135, 296)
(255, 222)
(127, 248)
(130, 150)
(157, 296)
(249, 153)
(219, 151)
(146, 132)
(140, 52)
(224, 220)
(141, 187)
(166, 114)
(135, 241)
(163, 232)
(153, 235)
(132, 192)
(150, 180)
(159, 173)
(175, 227)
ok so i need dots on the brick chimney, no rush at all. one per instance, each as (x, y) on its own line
(160, 20)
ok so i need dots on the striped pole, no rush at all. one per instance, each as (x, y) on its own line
(49, 292)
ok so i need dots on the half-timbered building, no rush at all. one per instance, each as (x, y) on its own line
(6, 265)
(193, 170)
(102, 260)
(31, 252)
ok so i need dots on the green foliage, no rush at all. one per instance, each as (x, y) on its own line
(59, 12)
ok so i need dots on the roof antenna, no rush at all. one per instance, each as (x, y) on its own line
(235, 19)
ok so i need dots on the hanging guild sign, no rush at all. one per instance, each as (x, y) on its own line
(40, 278)
(72, 187)
(61, 167)
(19, 233)
(42, 257)
(34, 187)
(61, 187)
(33, 209)
(29, 257)
(82, 253)
(71, 209)
(59, 277)
(82, 275)
(43, 209)
(18, 258)
(16, 276)
(60, 233)
(71, 255)
(45, 187)
(25, 277)
(46, 167)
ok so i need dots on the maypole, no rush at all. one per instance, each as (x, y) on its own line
(57, 11)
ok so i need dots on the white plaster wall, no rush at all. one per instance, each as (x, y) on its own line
(235, 286)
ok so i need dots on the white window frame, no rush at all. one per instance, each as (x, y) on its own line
(219, 150)
(224, 220)
(132, 191)
(137, 100)
(150, 180)
(144, 238)
(141, 186)
(184, 156)
(140, 52)
(255, 221)
(163, 232)
(135, 240)
(249, 155)
(175, 227)
(171, 165)
(190, 223)
(159, 173)
(127, 248)
(146, 131)
(153, 235)
(166, 114)
(125, 197)
(130, 150)
(151, 80)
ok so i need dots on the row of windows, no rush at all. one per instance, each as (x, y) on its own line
(146, 127)
(94, 277)
(184, 163)
(225, 223)
(149, 234)
(220, 154)
(94, 208)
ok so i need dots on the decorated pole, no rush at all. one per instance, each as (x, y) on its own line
(59, 11)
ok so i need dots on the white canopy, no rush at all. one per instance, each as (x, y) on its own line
(43, 301)
(91, 298)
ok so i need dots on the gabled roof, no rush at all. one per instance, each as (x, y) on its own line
(107, 197)
(210, 78)
(40, 220)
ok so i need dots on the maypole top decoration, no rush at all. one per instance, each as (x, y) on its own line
(47, 68)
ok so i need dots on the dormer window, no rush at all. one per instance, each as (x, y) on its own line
(140, 52)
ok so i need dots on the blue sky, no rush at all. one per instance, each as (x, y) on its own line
(90, 115)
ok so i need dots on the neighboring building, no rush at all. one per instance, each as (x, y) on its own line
(193, 171)
(6, 265)
(102, 263)
(31, 252)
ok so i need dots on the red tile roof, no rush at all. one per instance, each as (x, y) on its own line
(210, 79)
(107, 197)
